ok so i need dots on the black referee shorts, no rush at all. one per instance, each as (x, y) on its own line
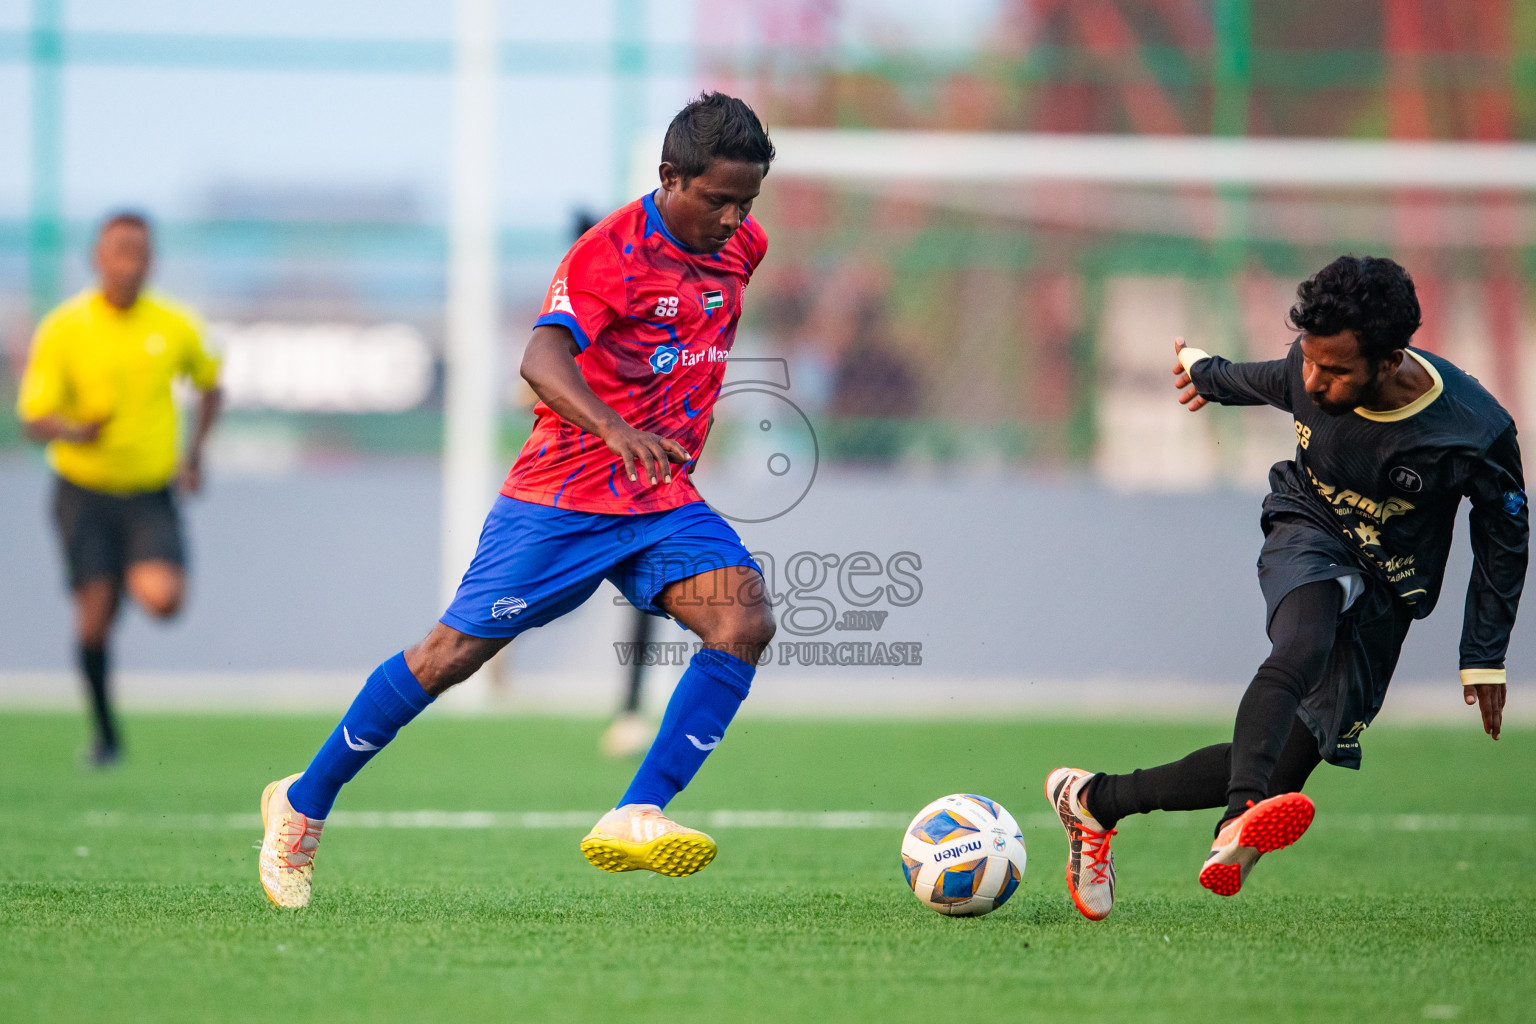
(1367, 638)
(103, 534)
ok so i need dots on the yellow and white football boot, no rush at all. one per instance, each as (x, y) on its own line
(639, 836)
(288, 848)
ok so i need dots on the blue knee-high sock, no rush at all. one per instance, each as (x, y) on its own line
(390, 698)
(701, 707)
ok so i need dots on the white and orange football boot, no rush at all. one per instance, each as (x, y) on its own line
(1264, 827)
(638, 836)
(1090, 865)
(288, 847)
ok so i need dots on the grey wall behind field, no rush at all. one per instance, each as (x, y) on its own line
(334, 568)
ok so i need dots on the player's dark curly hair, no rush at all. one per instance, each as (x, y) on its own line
(126, 218)
(1370, 295)
(715, 127)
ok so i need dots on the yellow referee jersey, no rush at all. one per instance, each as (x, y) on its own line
(90, 362)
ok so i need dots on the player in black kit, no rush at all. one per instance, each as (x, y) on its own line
(1357, 528)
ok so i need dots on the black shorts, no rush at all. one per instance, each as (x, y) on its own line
(103, 534)
(1367, 639)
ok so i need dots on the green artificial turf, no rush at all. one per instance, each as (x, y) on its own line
(153, 911)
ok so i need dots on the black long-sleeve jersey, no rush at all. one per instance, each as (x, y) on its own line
(1391, 483)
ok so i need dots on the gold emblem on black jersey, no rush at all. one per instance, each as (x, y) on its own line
(1345, 501)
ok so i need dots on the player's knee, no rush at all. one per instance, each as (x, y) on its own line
(762, 627)
(158, 590)
(749, 632)
(163, 604)
(93, 626)
(447, 668)
(1297, 663)
(447, 657)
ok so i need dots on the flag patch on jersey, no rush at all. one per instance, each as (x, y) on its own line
(714, 300)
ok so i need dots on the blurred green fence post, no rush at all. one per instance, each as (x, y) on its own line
(45, 223)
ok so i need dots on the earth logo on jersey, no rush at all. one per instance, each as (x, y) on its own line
(1405, 479)
(664, 359)
(560, 298)
(1514, 501)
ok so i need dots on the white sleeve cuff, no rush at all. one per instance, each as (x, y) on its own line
(1482, 677)
(1188, 357)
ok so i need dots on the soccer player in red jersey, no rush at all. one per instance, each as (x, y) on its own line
(627, 359)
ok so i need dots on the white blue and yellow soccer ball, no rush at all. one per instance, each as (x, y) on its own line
(963, 855)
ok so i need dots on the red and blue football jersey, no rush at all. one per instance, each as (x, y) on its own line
(655, 322)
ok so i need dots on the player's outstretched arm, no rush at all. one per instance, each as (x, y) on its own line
(1500, 530)
(209, 403)
(1203, 378)
(1190, 395)
(549, 367)
(57, 428)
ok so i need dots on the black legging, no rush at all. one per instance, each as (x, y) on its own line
(1272, 751)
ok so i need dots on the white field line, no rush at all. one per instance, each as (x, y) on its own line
(836, 820)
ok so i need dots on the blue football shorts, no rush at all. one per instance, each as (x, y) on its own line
(535, 562)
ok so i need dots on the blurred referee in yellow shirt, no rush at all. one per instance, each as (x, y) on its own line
(97, 389)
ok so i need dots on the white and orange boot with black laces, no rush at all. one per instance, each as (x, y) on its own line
(288, 847)
(1090, 865)
(1264, 827)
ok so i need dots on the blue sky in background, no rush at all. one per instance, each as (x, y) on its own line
(166, 138)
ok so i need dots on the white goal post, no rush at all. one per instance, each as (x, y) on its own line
(988, 157)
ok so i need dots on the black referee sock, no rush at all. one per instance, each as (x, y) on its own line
(1195, 782)
(93, 662)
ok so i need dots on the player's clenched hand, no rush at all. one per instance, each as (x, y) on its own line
(651, 454)
(1181, 379)
(87, 433)
(190, 476)
(1489, 698)
(56, 428)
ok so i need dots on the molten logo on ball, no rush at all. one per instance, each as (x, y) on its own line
(951, 868)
